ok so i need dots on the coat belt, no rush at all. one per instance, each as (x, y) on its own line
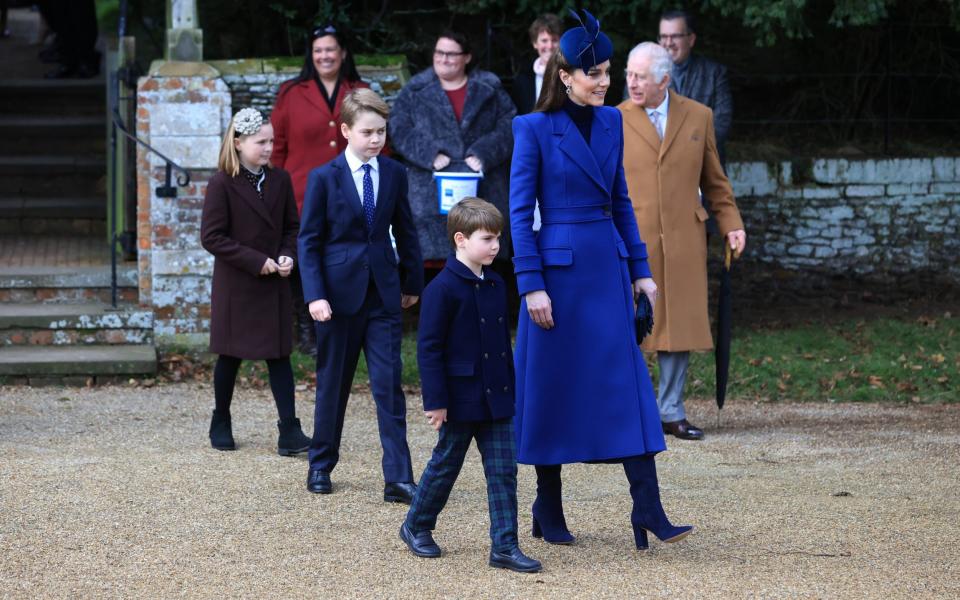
(575, 214)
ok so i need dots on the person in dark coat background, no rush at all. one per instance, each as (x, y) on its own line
(545, 38)
(466, 371)
(249, 224)
(448, 119)
(583, 390)
(306, 121)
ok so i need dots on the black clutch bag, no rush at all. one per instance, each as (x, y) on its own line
(644, 318)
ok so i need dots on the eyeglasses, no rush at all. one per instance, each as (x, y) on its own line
(672, 37)
(445, 55)
(322, 31)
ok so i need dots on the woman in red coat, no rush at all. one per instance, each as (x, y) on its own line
(306, 125)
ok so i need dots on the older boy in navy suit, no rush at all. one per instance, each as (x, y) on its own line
(466, 371)
(356, 287)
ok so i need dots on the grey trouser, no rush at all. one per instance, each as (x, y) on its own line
(673, 376)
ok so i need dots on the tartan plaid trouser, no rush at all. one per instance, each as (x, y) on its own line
(495, 440)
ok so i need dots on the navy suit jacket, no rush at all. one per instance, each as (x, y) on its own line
(338, 256)
(463, 345)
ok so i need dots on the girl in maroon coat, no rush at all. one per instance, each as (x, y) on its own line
(306, 122)
(250, 226)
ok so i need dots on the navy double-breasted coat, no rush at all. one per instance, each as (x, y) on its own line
(583, 390)
(463, 345)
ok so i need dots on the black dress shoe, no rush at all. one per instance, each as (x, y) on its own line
(515, 560)
(683, 429)
(420, 543)
(399, 492)
(318, 482)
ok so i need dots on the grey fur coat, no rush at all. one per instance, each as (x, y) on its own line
(422, 124)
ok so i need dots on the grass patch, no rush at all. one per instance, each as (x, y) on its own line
(858, 361)
(865, 361)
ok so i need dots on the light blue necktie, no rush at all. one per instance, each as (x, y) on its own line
(368, 204)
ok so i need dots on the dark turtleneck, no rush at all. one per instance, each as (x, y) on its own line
(582, 117)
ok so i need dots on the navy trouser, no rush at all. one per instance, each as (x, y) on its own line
(377, 332)
(495, 440)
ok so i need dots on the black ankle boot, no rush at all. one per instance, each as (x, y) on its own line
(292, 440)
(221, 432)
(548, 520)
(648, 514)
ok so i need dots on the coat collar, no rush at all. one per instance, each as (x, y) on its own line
(478, 93)
(592, 158)
(678, 112)
(312, 93)
(264, 207)
(637, 119)
(349, 187)
(463, 271)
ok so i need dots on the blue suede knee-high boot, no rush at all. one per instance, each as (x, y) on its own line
(548, 521)
(648, 514)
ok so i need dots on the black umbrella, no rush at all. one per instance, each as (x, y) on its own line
(724, 325)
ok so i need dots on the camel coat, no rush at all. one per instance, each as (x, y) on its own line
(663, 181)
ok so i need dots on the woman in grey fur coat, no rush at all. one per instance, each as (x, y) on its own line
(448, 119)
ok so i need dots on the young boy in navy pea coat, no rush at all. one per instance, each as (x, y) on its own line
(467, 379)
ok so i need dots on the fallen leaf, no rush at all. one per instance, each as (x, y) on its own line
(876, 382)
(938, 358)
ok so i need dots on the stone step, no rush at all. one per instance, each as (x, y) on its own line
(53, 175)
(66, 285)
(74, 324)
(82, 215)
(83, 135)
(65, 97)
(60, 361)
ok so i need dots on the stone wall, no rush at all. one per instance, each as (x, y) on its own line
(884, 227)
(255, 81)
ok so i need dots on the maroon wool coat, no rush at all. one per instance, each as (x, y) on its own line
(251, 314)
(306, 133)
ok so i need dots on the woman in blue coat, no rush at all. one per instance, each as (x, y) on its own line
(583, 391)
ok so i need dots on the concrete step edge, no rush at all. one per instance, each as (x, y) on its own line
(74, 316)
(66, 277)
(78, 360)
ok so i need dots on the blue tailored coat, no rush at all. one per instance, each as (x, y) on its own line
(463, 345)
(583, 390)
(338, 255)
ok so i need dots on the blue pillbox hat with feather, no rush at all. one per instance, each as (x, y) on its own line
(585, 46)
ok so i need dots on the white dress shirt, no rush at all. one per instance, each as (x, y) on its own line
(661, 111)
(356, 169)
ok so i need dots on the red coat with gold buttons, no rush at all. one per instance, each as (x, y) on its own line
(306, 133)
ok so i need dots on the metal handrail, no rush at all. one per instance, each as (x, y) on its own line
(164, 191)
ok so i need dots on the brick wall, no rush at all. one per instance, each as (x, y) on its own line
(182, 111)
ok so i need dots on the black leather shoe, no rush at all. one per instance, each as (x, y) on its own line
(420, 543)
(399, 492)
(683, 430)
(318, 482)
(515, 560)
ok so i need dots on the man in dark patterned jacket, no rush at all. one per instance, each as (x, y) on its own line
(696, 77)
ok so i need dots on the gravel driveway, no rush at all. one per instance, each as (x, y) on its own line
(114, 491)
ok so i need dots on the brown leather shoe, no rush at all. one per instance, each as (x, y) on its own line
(683, 430)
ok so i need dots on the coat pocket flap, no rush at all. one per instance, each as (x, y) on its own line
(701, 214)
(335, 258)
(460, 369)
(622, 249)
(560, 257)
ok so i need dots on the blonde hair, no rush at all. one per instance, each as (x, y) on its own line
(229, 161)
(472, 214)
(359, 100)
